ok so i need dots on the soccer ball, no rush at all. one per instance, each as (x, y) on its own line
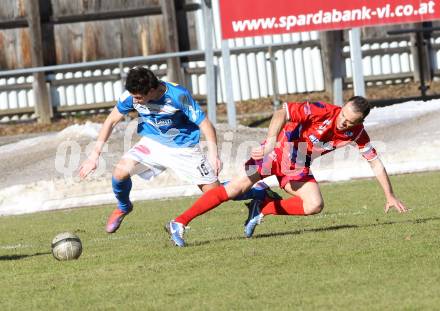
(66, 246)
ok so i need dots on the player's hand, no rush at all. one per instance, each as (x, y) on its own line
(216, 164)
(87, 167)
(257, 153)
(396, 203)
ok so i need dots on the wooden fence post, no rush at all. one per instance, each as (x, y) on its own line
(333, 63)
(174, 70)
(420, 45)
(43, 106)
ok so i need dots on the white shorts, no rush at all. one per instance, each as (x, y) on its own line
(188, 163)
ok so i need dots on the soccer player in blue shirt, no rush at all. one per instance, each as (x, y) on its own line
(169, 124)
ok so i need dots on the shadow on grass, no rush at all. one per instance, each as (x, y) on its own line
(18, 257)
(301, 231)
(311, 230)
(339, 227)
(266, 235)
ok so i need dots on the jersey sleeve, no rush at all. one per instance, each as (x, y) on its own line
(125, 103)
(302, 112)
(190, 108)
(365, 147)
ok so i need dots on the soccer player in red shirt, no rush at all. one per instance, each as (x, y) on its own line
(297, 134)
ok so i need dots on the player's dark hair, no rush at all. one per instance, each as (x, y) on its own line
(360, 104)
(141, 80)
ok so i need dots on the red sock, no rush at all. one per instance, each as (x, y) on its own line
(206, 202)
(291, 206)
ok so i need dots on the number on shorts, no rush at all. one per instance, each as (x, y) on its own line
(203, 169)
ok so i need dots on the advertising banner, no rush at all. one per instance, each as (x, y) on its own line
(244, 18)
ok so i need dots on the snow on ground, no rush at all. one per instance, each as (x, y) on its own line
(387, 116)
(38, 173)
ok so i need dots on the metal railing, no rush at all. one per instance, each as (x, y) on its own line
(80, 86)
(96, 85)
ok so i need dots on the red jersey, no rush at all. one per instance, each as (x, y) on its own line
(310, 132)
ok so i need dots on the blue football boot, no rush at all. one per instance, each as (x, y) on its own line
(176, 230)
(255, 217)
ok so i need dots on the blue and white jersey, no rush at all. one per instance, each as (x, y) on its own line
(172, 120)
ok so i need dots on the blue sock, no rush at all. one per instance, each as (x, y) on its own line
(258, 191)
(122, 189)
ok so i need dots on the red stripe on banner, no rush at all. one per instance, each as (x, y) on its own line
(263, 17)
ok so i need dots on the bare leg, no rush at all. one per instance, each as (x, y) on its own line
(121, 184)
(216, 196)
(310, 194)
(207, 187)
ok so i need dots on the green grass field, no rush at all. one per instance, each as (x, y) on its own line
(350, 257)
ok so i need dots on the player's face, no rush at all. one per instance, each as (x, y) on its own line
(153, 94)
(348, 118)
(142, 99)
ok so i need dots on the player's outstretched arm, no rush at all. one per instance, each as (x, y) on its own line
(91, 163)
(277, 122)
(383, 179)
(211, 138)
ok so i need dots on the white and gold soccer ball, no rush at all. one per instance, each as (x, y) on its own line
(66, 246)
